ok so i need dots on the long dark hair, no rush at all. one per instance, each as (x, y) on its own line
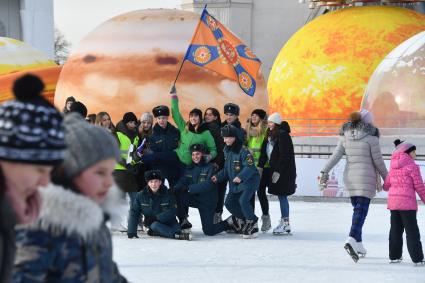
(273, 134)
(215, 112)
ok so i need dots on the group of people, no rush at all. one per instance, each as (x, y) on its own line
(58, 173)
(199, 158)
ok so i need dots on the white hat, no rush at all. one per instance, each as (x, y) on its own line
(275, 118)
(366, 116)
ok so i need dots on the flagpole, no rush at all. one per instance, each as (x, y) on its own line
(184, 58)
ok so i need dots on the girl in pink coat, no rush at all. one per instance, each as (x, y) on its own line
(403, 182)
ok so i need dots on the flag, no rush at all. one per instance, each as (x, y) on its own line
(217, 49)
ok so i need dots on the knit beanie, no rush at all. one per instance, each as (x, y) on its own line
(80, 108)
(366, 116)
(260, 112)
(31, 127)
(129, 117)
(403, 146)
(275, 118)
(87, 145)
(146, 117)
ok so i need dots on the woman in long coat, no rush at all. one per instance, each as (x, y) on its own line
(278, 150)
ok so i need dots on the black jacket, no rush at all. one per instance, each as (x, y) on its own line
(282, 160)
(164, 140)
(7, 240)
(215, 131)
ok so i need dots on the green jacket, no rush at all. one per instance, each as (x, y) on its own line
(187, 138)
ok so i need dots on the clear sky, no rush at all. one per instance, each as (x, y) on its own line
(76, 18)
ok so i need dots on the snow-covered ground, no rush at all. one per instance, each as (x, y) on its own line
(314, 253)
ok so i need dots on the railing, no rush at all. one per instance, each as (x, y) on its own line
(304, 154)
(331, 126)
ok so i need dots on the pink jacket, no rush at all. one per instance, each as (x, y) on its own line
(403, 180)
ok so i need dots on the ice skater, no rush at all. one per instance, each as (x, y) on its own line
(403, 180)
(359, 141)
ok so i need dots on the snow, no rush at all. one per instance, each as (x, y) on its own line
(314, 253)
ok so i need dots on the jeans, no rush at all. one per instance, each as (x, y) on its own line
(284, 206)
(165, 230)
(360, 210)
(133, 219)
(239, 204)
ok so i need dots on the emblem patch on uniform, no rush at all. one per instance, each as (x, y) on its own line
(249, 159)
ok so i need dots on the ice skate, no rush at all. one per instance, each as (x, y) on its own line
(217, 217)
(350, 246)
(265, 223)
(361, 251)
(283, 228)
(398, 260)
(250, 230)
(421, 263)
(235, 225)
(186, 226)
(183, 236)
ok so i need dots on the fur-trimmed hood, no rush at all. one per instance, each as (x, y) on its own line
(356, 131)
(64, 210)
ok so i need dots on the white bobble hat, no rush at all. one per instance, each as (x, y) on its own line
(275, 118)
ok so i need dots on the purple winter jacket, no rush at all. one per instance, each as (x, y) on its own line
(402, 181)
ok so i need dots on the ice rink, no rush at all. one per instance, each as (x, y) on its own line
(314, 253)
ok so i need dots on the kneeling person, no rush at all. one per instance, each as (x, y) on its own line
(244, 179)
(195, 189)
(156, 203)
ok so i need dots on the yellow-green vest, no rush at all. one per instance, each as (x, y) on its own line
(125, 143)
(254, 145)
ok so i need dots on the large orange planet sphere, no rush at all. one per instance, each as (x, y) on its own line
(129, 63)
(18, 58)
(321, 73)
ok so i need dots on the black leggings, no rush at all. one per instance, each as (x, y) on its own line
(261, 193)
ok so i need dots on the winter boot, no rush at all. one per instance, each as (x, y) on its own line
(217, 217)
(361, 251)
(283, 228)
(235, 225)
(350, 246)
(185, 226)
(132, 235)
(398, 260)
(250, 230)
(183, 236)
(265, 223)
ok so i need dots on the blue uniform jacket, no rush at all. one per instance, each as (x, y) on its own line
(239, 162)
(162, 205)
(197, 179)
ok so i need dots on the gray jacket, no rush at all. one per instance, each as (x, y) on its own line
(360, 143)
(7, 240)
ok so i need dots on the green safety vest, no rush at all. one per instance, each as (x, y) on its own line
(254, 145)
(125, 144)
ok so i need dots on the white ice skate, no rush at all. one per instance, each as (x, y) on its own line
(421, 263)
(284, 228)
(350, 246)
(396, 260)
(361, 251)
(265, 223)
